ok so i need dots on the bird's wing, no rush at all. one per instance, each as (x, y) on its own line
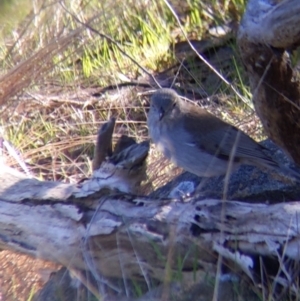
(218, 138)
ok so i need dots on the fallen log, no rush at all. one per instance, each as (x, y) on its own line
(123, 235)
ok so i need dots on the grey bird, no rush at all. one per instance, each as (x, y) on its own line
(198, 141)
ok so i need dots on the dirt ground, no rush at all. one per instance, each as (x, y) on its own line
(22, 276)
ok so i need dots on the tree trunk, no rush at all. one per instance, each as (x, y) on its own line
(268, 32)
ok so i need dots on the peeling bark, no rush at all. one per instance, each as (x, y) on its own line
(122, 235)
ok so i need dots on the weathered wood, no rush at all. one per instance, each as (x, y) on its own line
(120, 235)
(269, 28)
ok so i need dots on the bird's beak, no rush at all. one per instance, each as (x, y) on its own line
(161, 114)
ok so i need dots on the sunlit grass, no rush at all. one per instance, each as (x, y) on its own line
(144, 31)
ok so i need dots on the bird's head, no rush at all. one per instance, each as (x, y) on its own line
(163, 102)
